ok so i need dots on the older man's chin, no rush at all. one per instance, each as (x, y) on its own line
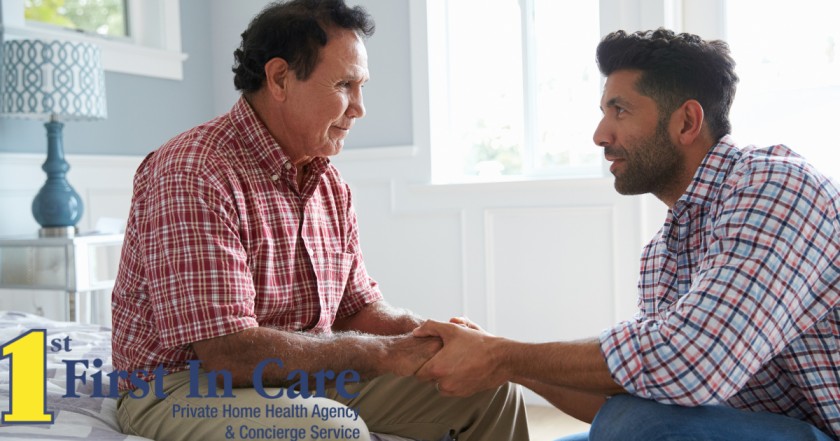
(335, 146)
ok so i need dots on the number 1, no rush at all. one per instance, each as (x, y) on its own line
(28, 357)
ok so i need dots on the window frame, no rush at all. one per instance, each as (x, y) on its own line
(443, 171)
(152, 50)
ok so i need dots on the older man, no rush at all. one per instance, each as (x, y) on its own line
(242, 257)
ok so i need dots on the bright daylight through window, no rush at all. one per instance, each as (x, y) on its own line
(104, 17)
(789, 67)
(521, 89)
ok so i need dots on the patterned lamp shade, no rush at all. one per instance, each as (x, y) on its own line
(56, 80)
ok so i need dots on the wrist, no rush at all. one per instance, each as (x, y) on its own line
(503, 353)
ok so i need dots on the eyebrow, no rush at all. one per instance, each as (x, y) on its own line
(361, 75)
(617, 100)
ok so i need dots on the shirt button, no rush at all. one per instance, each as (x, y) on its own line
(288, 165)
(274, 177)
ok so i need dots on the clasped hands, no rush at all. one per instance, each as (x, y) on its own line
(459, 357)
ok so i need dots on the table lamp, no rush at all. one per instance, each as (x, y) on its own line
(54, 81)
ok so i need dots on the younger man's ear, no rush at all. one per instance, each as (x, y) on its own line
(277, 77)
(688, 121)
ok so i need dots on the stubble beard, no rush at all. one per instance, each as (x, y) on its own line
(651, 165)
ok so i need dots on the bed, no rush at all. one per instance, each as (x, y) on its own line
(75, 418)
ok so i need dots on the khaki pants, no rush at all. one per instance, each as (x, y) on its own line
(390, 405)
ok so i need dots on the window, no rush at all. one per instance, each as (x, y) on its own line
(517, 89)
(103, 17)
(514, 87)
(152, 47)
(789, 67)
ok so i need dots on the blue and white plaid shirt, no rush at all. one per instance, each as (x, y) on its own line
(739, 294)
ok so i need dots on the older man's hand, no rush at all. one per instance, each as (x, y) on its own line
(469, 361)
(406, 353)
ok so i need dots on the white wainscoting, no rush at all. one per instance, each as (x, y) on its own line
(537, 261)
(534, 260)
(538, 256)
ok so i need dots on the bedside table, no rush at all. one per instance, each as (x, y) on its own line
(73, 265)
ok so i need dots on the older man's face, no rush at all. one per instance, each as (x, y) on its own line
(326, 105)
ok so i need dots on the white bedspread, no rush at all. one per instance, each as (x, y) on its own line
(75, 418)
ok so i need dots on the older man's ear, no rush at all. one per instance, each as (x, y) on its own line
(277, 74)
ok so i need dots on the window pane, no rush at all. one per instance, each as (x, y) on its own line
(568, 84)
(485, 86)
(105, 17)
(788, 60)
(521, 107)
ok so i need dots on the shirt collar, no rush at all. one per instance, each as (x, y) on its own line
(259, 143)
(709, 177)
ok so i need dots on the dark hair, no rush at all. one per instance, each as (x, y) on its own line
(676, 68)
(294, 31)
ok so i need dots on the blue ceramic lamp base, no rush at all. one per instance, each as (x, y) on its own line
(57, 207)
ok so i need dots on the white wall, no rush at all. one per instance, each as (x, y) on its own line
(387, 95)
(536, 260)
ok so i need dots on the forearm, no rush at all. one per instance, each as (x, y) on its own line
(578, 404)
(240, 353)
(379, 318)
(576, 365)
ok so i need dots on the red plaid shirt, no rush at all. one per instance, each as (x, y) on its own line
(739, 293)
(221, 239)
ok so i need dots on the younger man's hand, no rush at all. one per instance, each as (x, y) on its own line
(406, 353)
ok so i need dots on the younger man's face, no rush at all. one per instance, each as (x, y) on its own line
(635, 138)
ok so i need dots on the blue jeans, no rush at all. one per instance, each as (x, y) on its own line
(628, 418)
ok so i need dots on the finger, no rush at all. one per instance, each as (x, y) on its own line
(424, 373)
(429, 328)
(440, 389)
(463, 321)
(429, 344)
(459, 321)
(445, 389)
